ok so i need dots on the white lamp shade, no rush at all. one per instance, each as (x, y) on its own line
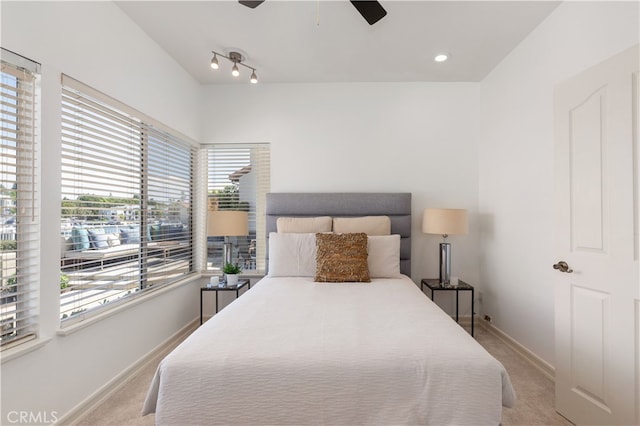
(445, 221)
(227, 223)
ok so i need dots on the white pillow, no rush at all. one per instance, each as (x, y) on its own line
(304, 224)
(384, 256)
(113, 240)
(370, 225)
(292, 255)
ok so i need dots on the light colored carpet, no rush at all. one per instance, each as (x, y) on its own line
(534, 391)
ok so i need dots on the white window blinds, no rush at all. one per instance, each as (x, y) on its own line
(19, 202)
(126, 203)
(239, 179)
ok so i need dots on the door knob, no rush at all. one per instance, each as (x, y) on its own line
(563, 267)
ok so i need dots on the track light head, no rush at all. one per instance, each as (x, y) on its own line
(214, 62)
(254, 77)
(235, 71)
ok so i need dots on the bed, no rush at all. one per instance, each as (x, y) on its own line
(295, 351)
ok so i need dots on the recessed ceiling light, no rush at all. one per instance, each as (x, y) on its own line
(441, 57)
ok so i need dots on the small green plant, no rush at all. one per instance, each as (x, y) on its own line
(13, 280)
(8, 245)
(64, 280)
(231, 269)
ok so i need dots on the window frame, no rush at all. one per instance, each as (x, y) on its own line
(20, 277)
(258, 158)
(156, 151)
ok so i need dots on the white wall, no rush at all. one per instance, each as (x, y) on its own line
(516, 162)
(370, 137)
(96, 43)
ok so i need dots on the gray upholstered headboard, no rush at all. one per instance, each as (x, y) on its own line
(396, 205)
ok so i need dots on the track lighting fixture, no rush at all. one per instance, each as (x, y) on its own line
(237, 59)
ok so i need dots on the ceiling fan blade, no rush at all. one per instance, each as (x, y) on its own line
(372, 11)
(250, 3)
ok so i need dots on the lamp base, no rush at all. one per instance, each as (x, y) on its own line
(228, 251)
(445, 264)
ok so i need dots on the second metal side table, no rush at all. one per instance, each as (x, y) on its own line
(434, 285)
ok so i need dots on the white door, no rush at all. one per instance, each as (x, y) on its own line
(596, 300)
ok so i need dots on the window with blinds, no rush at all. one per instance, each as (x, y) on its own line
(19, 202)
(126, 203)
(238, 178)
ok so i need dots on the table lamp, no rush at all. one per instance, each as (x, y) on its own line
(445, 222)
(227, 223)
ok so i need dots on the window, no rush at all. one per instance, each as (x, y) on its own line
(126, 203)
(19, 203)
(239, 179)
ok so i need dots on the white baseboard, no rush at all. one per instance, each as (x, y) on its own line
(543, 366)
(121, 379)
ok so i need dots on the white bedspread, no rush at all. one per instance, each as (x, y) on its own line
(291, 351)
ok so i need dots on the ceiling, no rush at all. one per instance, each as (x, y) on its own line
(328, 41)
